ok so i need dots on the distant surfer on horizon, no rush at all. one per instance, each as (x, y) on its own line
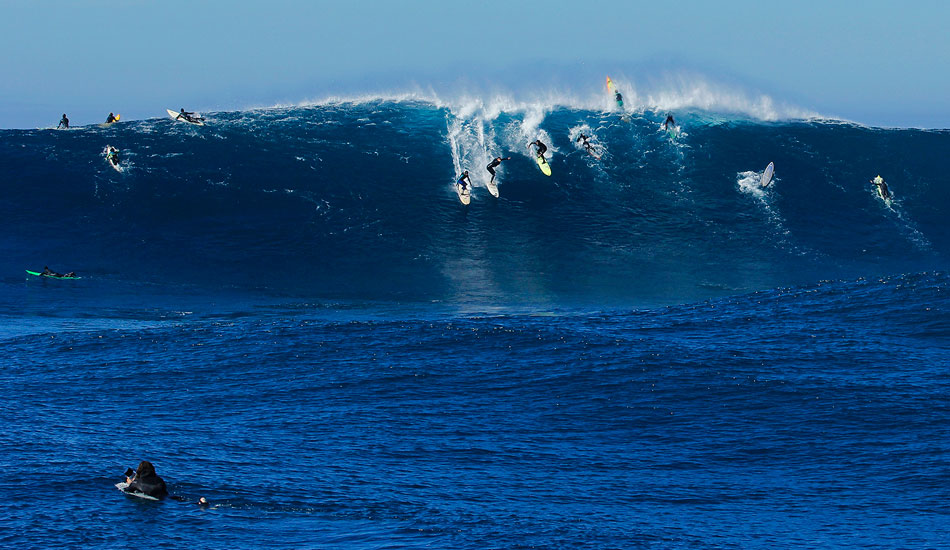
(111, 119)
(587, 146)
(494, 164)
(64, 123)
(669, 122)
(188, 116)
(462, 179)
(881, 187)
(542, 148)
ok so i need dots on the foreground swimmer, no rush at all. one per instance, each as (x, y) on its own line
(144, 480)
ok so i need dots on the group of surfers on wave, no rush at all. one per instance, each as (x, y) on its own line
(463, 181)
(112, 154)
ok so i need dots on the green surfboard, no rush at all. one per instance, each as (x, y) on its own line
(36, 274)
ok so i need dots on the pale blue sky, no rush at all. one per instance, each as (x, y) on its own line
(874, 62)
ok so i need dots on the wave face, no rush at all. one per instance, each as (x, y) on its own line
(355, 200)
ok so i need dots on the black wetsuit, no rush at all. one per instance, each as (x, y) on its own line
(461, 181)
(114, 156)
(111, 119)
(64, 123)
(669, 120)
(148, 482)
(884, 192)
(493, 164)
(189, 117)
(542, 148)
(585, 143)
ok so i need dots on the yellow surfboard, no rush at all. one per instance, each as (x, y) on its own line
(544, 166)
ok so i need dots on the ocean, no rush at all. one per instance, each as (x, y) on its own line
(289, 312)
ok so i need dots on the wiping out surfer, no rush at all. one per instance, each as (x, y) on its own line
(542, 148)
(586, 143)
(144, 480)
(619, 98)
(881, 187)
(64, 122)
(188, 116)
(669, 122)
(494, 164)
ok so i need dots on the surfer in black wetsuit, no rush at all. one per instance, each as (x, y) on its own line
(110, 119)
(462, 179)
(64, 123)
(144, 480)
(584, 139)
(47, 272)
(113, 155)
(669, 122)
(188, 116)
(881, 187)
(491, 167)
(542, 148)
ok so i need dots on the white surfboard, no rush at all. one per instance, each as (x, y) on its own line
(767, 175)
(465, 195)
(176, 114)
(122, 486)
(492, 188)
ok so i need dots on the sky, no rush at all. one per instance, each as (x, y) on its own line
(874, 62)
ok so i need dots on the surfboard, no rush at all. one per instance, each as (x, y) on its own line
(672, 132)
(593, 154)
(38, 274)
(492, 188)
(879, 184)
(465, 195)
(613, 92)
(544, 166)
(122, 486)
(174, 115)
(767, 175)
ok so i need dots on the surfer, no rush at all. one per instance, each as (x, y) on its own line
(110, 119)
(584, 139)
(64, 123)
(144, 480)
(188, 116)
(542, 148)
(113, 155)
(47, 272)
(619, 98)
(669, 122)
(462, 179)
(491, 167)
(881, 187)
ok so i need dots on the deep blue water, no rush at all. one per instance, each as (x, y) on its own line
(289, 312)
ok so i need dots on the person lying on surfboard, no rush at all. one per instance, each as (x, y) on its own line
(881, 187)
(462, 179)
(542, 148)
(586, 144)
(188, 116)
(113, 155)
(47, 272)
(669, 122)
(493, 164)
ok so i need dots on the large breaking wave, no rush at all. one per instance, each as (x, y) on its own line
(355, 199)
